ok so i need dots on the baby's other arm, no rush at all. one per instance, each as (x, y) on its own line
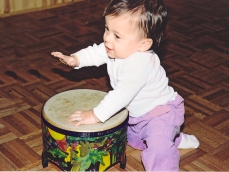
(72, 60)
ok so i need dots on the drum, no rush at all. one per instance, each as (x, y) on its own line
(94, 147)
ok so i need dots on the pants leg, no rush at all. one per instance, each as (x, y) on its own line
(178, 139)
(161, 152)
(155, 135)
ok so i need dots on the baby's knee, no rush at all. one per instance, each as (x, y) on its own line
(160, 144)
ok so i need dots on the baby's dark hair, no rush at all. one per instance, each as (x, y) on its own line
(152, 16)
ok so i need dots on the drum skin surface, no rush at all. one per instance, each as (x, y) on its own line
(95, 147)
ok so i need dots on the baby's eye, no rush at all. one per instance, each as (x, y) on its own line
(116, 36)
(106, 28)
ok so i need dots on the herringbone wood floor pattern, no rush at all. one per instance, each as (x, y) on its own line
(195, 55)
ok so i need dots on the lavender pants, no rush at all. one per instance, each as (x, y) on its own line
(157, 134)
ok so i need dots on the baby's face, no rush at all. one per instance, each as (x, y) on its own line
(121, 36)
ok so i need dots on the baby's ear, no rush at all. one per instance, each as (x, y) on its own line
(146, 44)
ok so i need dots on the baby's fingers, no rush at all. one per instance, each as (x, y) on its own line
(76, 116)
(78, 123)
(57, 54)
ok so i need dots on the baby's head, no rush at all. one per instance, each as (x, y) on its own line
(149, 16)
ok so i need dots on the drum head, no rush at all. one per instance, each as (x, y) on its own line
(59, 107)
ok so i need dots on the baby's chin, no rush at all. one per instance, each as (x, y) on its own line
(112, 56)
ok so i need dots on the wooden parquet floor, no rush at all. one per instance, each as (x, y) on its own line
(195, 55)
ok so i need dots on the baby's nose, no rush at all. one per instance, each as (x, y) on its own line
(106, 37)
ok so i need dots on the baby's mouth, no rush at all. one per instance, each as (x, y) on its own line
(108, 49)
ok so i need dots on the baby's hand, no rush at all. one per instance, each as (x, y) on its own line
(68, 60)
(83, 117)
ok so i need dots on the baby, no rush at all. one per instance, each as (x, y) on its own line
(133, 31)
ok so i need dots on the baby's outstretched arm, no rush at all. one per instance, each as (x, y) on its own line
(83, 117)
(69, 60)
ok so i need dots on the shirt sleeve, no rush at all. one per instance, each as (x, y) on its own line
(133, 77)
(92, 56)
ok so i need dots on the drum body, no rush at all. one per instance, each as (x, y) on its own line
(94, 147)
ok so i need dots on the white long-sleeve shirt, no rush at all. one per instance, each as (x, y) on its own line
(139, 82)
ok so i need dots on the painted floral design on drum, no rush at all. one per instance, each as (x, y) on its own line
(72, 153)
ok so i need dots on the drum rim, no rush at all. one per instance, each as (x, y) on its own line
(85, 133)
